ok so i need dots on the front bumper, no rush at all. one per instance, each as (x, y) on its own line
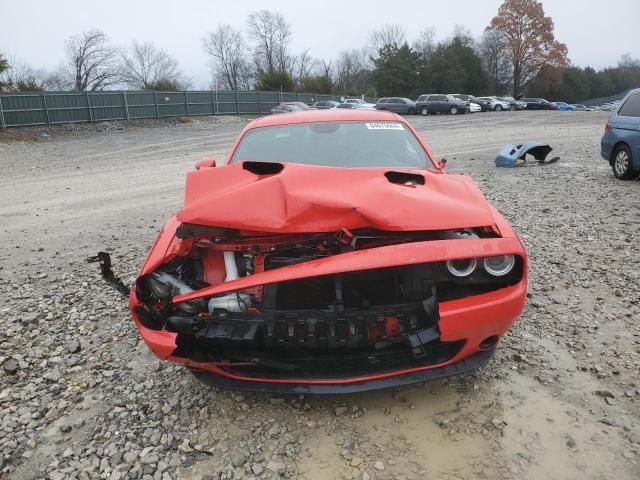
(470, 320)
(465, 365)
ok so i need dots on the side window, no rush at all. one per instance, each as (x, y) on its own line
(437, 98)
(422, 98)
(631, 108)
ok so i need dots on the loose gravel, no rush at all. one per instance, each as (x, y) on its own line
(81, 397)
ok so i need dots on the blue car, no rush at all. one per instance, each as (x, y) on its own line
(565, 106)
(620, 144)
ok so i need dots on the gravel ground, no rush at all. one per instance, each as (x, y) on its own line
(81, 396)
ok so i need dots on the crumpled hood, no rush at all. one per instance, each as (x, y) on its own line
(304, 198)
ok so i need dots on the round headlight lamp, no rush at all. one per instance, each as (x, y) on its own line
(462, 268)
(499, 266)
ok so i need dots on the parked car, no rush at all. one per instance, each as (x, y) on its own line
(421, 281)
(440, 103)
(492, 103)
(564, 106)
(538, 104)
(397, 105)
(351, 106)
(300, 105)
(620, 144)
(463, 96)
(325, 104)
(609, 107)
(360, 102)
(486, 104)
(286, 108)
(515, 104)
(472, 102)
(583, 108)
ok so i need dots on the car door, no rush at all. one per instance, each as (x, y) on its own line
(434, 103)
(393, 104)
(442, 103)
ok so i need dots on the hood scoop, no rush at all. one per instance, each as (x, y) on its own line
(263, 168)
(405, 178)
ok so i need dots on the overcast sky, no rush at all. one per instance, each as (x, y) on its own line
(596, 32)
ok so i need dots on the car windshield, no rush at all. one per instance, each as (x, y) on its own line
(334, 144)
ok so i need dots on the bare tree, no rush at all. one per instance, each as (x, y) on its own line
(625, 61)
(227, 50)
(91, 63)
(350, 66)
(21, 76)
(426, 43)
(393, 35)
(495, 59)
(143, 66)
(463, 35)
(57, 80)
(272, 35)
(326, 69)
(301, 66)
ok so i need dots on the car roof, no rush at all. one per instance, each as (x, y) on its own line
(312, 116)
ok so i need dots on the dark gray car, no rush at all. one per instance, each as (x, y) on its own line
(286, 108)
(439, 103)
(397, 105)
(538, 104)
(620, 144)
(325, 104)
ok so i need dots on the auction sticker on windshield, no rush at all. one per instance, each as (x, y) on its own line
(384, 126)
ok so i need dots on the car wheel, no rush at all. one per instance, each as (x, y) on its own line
(622, 164)
(411, 111)
(424, 112)
(498, 108)
(453, 110)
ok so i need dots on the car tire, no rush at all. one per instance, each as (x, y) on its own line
(411, 111)
(424, 112)
(622, 164)
(453, 110)
(498, 108)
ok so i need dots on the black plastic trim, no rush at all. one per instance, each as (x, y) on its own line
(465, 365)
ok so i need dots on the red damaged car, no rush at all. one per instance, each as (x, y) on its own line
(329, 253)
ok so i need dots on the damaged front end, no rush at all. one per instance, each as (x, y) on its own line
(328, 311)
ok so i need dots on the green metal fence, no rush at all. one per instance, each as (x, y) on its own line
(50, 108)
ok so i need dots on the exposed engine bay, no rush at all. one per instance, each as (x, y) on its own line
(352, 322)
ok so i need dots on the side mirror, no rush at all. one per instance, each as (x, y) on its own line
(205, 163)
(441, 164)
